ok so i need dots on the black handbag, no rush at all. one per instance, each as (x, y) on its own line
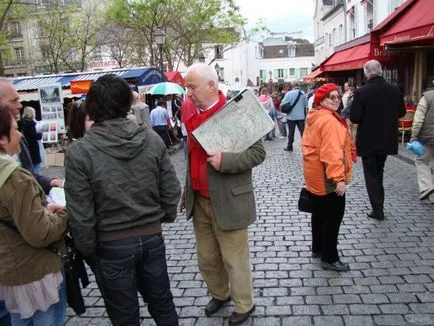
(305, 201)
(74, 272)
(287, 107)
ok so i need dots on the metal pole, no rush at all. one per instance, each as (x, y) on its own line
(161, 57)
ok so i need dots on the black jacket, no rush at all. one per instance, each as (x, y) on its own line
(376, 108)
(26, 163)
(32, 137)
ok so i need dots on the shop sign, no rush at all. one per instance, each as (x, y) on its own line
(103, 64)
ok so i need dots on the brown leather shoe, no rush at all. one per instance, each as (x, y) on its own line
(214, 305)
(238, 318)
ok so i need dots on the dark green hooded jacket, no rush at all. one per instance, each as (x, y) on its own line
(118, 177)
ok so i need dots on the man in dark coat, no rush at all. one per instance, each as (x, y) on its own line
(376, 108)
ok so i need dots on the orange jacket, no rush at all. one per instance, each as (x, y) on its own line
(326, 146)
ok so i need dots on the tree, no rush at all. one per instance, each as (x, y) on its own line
(55, 34)
(84, 26)
(68, 34)
(189, 24)
(9, 9)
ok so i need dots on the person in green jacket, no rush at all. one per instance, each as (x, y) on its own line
(120, 187)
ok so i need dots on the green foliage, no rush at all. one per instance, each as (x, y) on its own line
(9, 10)
(189, 24)
(68, 35)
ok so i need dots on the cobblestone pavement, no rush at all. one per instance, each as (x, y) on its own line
(391, 281)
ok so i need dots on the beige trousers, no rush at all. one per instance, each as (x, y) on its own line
(424, 170)
(223, 257)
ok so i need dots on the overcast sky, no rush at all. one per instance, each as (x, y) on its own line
(281, 15)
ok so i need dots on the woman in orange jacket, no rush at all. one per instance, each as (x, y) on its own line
(327, 159)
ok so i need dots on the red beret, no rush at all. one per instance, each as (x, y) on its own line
(324, 91)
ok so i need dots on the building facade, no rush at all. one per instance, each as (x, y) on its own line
(281, 57)
(397, 33)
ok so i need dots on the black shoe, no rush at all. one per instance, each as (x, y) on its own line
(288, 149)
(337, 266)
(376, 215)
(237, 318)
(214, 305)
(316, 254)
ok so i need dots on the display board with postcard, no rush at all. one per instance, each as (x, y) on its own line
(52, 114)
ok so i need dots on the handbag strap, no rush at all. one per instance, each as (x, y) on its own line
(296, 100)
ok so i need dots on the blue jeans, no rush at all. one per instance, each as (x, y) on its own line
(130, 265)
(5, 319)
(54, 316)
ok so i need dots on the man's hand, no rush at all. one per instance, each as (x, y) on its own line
(215, 159)
(53, 208)
(340, 188)
(56, 183)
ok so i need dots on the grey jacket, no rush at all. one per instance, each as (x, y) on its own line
(118, 176)
(231, 188)
(423, 124)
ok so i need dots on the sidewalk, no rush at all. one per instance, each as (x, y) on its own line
(391, 281)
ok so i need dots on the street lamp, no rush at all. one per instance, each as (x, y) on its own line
(270, 81)
(160, 39)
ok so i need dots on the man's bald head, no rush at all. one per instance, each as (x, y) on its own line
(9, 97)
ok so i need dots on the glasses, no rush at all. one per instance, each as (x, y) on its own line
(335, 97)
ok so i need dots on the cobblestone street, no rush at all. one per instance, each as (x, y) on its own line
(391, 281)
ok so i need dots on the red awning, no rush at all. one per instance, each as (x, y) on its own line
(311, 76)
(175, 77)
(415, 25)
(348, 59)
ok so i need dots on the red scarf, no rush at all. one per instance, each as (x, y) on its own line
(198, 156)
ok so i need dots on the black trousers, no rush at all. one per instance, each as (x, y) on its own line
(326, 220)
(291, 130)
(163, 132)
(373, 169)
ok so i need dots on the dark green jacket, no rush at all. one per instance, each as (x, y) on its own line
(231, 188)
(118, 176)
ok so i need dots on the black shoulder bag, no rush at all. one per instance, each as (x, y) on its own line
(287, 107)
(73, 266)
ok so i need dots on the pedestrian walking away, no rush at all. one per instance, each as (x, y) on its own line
(376, 108)
(297, 114)
(219, 196)
(327, 172)
(120, 187)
